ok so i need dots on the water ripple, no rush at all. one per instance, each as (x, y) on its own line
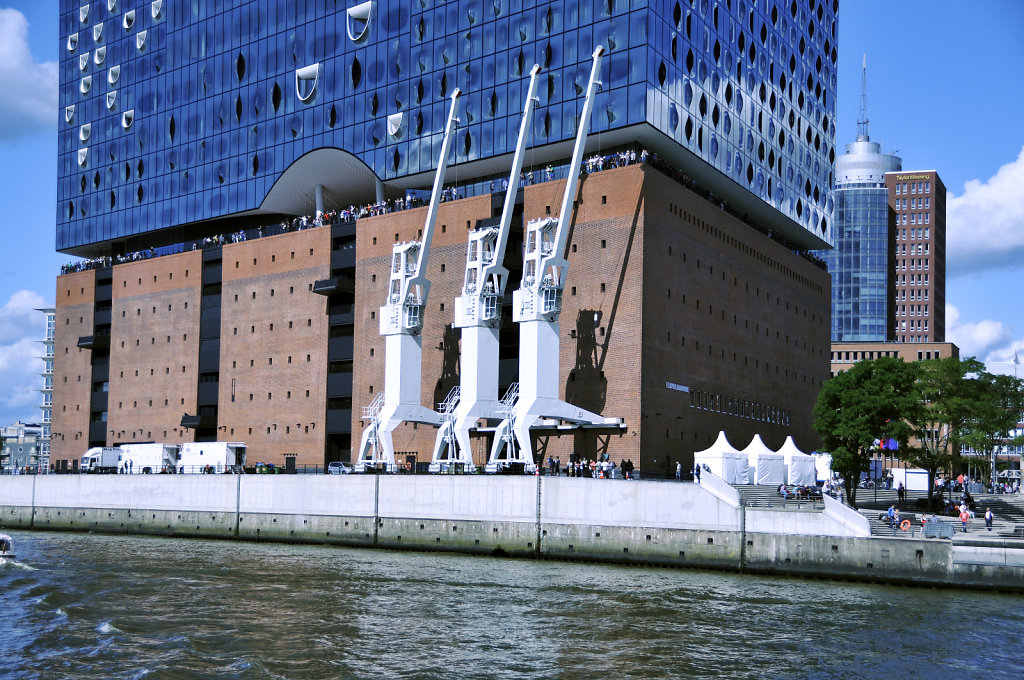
(94, 606)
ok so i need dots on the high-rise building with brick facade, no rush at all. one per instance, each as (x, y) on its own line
(191, 132)
(918, 203)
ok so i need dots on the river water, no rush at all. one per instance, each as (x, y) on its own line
(96, 606)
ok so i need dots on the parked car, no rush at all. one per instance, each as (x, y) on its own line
(338, 468)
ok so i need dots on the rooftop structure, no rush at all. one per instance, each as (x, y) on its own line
(177, 118)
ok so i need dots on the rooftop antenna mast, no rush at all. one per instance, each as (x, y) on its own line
(862, 121)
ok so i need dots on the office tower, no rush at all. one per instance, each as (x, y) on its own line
(191, 132)
(918, 203)
(862, 261)
(889, 262)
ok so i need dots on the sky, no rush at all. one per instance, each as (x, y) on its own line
(944, 93)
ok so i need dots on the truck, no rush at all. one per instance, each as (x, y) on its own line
(101, 459)
(148, 458)
(214, 457)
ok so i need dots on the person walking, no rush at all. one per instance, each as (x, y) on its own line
(696, 473)
(965, 517)
(679, 471)
(988, 518)
(891, 514)
(901, 494)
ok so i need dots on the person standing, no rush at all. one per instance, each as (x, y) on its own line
(965, 517)
(988, 518)
(901, 494)
(679, 471)
(891, 514)
(696, 473)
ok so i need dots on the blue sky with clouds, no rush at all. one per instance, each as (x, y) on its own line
(944, 91)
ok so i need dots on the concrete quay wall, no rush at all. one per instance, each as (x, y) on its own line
(684, 525)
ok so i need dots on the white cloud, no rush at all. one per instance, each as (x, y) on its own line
(19, 318)
(19, 374)
(991, 342)
(1008, 359)
(29, 102)
(21, 329)
(985, 225)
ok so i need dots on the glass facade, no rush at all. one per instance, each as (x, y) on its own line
(861, 266)
(176, 112)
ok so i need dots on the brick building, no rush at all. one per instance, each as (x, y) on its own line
(918, 203)
(206, 312)
(677, 317)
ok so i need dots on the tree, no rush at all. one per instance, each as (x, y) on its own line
(993, 424)
(950, 394)
(874, 399)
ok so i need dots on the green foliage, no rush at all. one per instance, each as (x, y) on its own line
(931, 408)
(950, 394)
(872, 400)
(991, 425)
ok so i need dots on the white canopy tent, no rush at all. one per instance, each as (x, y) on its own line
(799, 465)
(724, 460)
(822, 465)
(766, 466)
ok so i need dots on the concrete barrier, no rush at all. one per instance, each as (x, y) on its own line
(628, 522)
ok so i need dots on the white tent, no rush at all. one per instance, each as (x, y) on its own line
(822, 465)
(724, 460)
(766, 466)
(800, 466)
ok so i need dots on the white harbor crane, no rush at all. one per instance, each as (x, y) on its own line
(401, 324)
(536, 307)
(478, 314)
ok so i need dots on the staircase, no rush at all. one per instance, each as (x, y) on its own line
(762, 496)
(1007, 508)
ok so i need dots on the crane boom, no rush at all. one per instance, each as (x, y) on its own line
(478, 314)
(409, 286)
(401, 324)
(544, 267)
(536, 307)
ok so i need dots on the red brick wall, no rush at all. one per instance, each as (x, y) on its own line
(446, 266)
(72, 372)
(274, 346)
(729, 312)
(615, 353)
(154, 348)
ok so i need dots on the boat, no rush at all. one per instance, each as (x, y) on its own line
(6, 545)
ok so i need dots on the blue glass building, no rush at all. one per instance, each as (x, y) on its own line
(176, 117)
(862, 262)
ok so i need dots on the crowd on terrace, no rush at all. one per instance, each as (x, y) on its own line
(592, 164)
